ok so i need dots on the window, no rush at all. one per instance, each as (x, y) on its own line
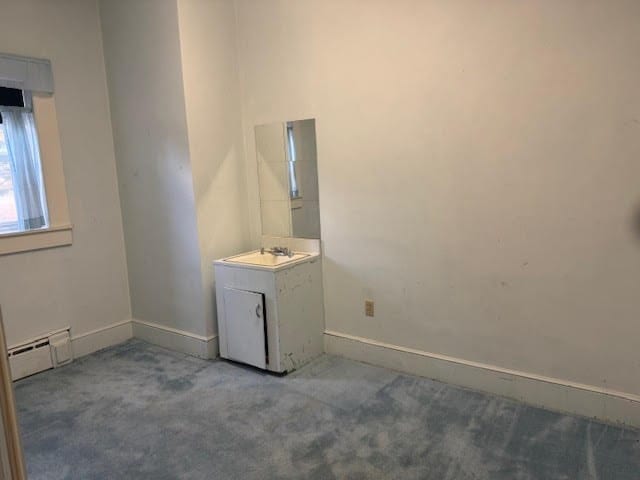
(22, 199)
(294, 191)
(30, 159)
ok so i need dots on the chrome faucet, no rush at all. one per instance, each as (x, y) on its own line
(278, 251)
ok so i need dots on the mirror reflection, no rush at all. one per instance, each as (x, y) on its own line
(288, 179)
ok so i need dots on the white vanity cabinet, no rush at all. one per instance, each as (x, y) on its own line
(270, 316)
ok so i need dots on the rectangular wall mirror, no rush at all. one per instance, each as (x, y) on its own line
(288, 179)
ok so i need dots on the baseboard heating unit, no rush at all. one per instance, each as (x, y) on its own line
(49, 351)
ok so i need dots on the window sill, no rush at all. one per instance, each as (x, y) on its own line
(36, 239)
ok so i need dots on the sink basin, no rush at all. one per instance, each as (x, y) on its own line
(266, 259)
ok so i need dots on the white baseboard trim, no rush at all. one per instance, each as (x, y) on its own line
(104, 337)
(551, 393)
(174, 339)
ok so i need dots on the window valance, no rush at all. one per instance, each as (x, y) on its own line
(26, 73)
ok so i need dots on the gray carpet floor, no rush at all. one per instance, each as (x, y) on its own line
(137, 411)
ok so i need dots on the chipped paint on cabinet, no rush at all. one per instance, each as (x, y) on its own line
(293, 305)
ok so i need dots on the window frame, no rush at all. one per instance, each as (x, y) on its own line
(60, 230)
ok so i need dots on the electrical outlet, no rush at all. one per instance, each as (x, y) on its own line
(368, 308)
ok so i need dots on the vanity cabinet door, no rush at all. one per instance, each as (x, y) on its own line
(244, 319)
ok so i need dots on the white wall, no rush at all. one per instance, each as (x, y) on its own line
(212, 99)
(142, 53)
(175, 100)
(478, 171)
(84, 285)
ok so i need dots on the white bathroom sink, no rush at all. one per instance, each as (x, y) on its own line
(265, 259)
